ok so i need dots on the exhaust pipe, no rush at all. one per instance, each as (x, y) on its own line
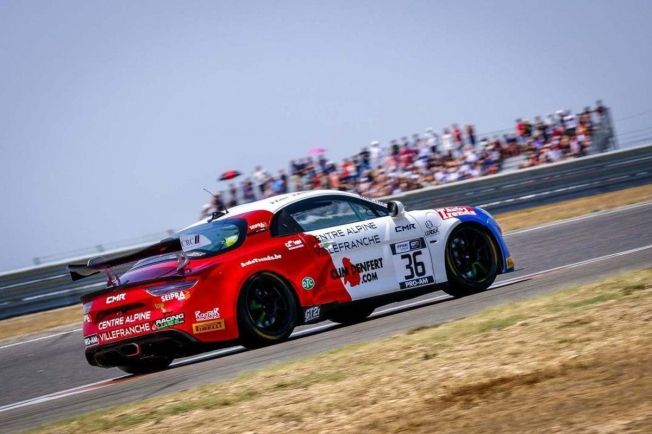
(130, 350)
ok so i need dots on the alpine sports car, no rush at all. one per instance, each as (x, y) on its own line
(252, 274)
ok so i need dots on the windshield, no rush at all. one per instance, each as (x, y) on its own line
(212, 238)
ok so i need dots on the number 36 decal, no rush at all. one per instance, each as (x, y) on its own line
(412, 263)
(413, 266)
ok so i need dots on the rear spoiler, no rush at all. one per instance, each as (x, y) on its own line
(102, 264)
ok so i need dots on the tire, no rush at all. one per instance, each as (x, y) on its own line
(146, 365)
(471, 260)
(351, 313)
(267, 311)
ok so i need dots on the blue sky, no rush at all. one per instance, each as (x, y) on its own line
(114, 115)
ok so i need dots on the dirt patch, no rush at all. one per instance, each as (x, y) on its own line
(66, 317)
(552, 364)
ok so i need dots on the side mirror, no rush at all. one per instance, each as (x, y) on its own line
(395, 208)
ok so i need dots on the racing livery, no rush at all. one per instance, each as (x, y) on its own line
(253, 273)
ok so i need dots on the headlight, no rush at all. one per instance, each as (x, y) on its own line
(170, 287)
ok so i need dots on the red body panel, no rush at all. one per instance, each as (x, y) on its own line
(207, 309)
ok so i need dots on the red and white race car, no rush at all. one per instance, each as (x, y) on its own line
(252, 274)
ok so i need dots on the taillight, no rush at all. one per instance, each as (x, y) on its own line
(167, 288)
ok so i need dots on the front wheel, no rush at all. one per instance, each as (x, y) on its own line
(267, 311)
(471, 261)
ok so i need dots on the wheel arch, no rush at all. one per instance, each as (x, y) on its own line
(484, 220)
(259, 273)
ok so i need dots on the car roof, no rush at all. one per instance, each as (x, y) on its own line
(275, 203)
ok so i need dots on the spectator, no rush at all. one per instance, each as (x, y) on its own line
(408, 164)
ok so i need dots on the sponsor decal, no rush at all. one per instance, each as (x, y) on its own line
(342, 246)
(431, 229)
(122, 320)
(274, 257)
(283, 198)
(428, 280)
(294, 244)
(308, 283)
(454, 211)
(407, 246)
(125, 332)
(193, 242)
(208, 315)
(510, 262)
(362, 272)
(87, 318)
(113, 298)
(312, 314)
(169, 321)
(91, 340)
(176, 295)
(350, 230)
(209, 326)
(161, 307)
(258, 227)
(405, 228)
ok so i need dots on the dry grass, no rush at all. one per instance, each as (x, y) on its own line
(509, 221)
(576, 361)
(41, 321)
(538, 215)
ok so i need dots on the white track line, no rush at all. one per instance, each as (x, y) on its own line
(40, 338)
(580, 218)
(104, 383)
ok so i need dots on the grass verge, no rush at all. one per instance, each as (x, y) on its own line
(539, 215)
(70, 316)
(579, 360)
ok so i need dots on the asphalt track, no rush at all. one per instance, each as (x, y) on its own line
(46, 378)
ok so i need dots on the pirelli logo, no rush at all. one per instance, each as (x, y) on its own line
(208, 326)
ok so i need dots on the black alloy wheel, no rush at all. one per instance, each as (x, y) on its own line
(471, 260)
(267, 311)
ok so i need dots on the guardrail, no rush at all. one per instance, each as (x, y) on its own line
(48, 286)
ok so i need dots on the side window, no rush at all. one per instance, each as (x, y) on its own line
(368, 211)
(325, 213)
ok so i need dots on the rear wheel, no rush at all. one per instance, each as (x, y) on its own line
(267, 311)
(146, 365)
(351, 313)
(471, 260)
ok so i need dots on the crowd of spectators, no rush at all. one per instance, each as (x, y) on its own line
(426, 159)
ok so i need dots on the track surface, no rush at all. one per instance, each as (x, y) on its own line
(31, 369)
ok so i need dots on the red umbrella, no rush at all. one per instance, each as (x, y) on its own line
(315, 151)
(229, 174)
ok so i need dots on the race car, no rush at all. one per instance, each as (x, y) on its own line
(251, 274)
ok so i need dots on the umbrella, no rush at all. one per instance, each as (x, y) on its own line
(315, 151)
(229, 174)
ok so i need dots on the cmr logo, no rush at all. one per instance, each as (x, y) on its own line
(113, 298)
(405, 228)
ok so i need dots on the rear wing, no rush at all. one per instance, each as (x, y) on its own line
(102, 264)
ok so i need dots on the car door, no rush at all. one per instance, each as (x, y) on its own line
(355, 237)
(410, 255)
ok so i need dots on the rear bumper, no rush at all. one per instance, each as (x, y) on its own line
(169, 343)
